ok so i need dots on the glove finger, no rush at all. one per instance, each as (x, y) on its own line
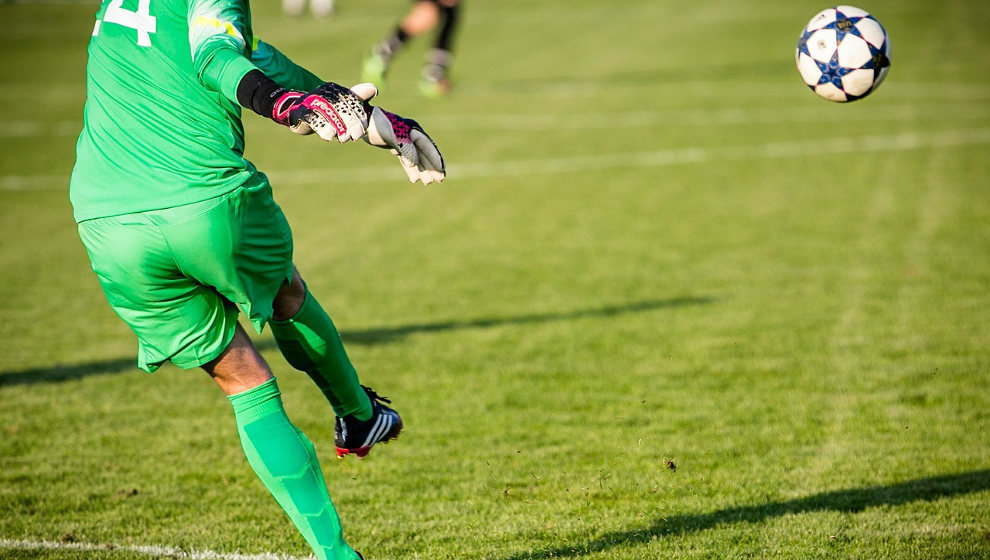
(437, 176)
(301, 127)
(429, 154)
(365, 91)
(347, 134)
(319, 124)
(355, 128)
(327, 133)
(430, 176)
(411, 171)
(380, 131)
(409, 156)
(357, 132)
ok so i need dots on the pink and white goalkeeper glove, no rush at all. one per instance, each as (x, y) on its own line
(330, 110)
(419, 156)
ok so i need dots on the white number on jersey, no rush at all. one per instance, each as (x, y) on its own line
(141, 20)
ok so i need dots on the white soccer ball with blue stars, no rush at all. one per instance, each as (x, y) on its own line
(843, 54)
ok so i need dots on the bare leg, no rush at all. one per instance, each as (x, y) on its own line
(289, 299)
(240, 367)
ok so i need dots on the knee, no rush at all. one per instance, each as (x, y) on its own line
(289, 299)
(421, 19)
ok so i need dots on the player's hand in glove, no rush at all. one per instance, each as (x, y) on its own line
(330, 110)
(333, 111)
(419, 156)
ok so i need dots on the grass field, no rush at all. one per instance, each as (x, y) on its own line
(669, 304)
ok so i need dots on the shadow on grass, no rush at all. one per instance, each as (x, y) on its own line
(850, 501)
(66, 372)
(383, 335)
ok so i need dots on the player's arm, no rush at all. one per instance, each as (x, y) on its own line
(332, 111)
(221, 40)
(281, 69)
(219, 37)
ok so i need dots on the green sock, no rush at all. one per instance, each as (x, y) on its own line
(310, 342)
(286, 463)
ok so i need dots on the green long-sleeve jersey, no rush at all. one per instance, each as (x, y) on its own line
(162, 126)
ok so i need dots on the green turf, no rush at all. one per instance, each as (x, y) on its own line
(669, 304)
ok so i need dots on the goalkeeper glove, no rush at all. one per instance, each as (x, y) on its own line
(419, 156)
(330, 110)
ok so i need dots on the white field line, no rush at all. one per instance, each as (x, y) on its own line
(32, 129)
(662, 158)
(597, 162)
(153, 551)
(689, 117)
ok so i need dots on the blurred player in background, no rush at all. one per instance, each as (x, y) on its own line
(319, 8)
(424, 16)
(182, 231)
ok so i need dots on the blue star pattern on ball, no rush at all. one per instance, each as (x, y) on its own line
(844, 24)
(833, 72)
(843, 53)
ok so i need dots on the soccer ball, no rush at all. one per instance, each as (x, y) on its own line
(843, 54)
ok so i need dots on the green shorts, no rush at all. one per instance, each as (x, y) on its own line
(176, 276)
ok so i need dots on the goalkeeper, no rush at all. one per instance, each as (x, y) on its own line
(183, 232)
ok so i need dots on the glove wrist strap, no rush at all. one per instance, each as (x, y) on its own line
(261, 94)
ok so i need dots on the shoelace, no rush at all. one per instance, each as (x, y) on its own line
(375, 396)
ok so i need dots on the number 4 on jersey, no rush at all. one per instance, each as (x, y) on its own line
(141, 20)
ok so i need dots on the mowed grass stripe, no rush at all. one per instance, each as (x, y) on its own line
(601, 162)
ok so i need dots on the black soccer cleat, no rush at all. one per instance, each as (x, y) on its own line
(354, 436)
